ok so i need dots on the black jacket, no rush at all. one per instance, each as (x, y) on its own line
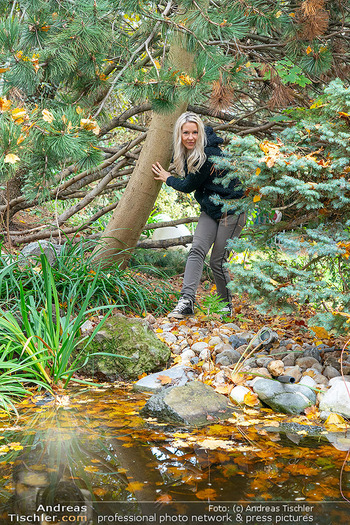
(202, 182)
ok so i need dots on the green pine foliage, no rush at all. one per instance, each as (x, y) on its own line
(304, 174)
(79, 59)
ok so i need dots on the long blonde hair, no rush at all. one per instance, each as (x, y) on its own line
(196, 157)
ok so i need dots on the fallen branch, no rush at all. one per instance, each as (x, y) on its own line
(166, 243)
(166, 224)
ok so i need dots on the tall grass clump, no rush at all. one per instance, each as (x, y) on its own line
(74, 271)
(45, 333)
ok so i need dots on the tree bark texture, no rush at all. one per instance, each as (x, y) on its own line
(125, 227)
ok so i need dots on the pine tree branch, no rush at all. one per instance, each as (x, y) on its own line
(133, 55)
(121, 119)
(21, 203)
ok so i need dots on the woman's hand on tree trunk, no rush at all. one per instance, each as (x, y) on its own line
(159, 172)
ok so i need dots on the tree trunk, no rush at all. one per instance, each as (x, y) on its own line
(136, 204)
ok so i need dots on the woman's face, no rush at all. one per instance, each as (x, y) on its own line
(189, 135)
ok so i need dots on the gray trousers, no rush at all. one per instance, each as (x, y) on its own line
(211, 232)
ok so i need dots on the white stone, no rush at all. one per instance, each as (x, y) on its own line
(232, 326)
(339, 378)
(205, 354)
(168, 337)
(237, 394)
(166, 327)
(198, 347)
(219, 378)
(215, 341)
(307, 381)
(207, 367)
(337, 399)
(176, 349)
(86, 327)
(187, 354)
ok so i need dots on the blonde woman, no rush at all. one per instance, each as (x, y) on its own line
(193, 146)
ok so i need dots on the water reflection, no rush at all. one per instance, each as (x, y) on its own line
(97, 448)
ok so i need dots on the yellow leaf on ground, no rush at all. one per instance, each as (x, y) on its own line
(251, 399)
(320, 332)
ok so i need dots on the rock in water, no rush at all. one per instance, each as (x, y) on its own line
(132, 338)
(337, 399)
(194, 404)
(290, 399)
(177, 376)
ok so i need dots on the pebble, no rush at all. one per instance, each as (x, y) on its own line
(251, 362)
(215, 341)
(263, 361)
(320, 379)
(237, 394)
(208, 366)
(227, 357)
(308, 381)
(198, 347)
(188, 354)
(150, 319)
(279, 352)
(241, 349)
(221, 347)
(232, 326)
(317, 367)
(168, 337)
(293, 371)
(166, 327)
(289, 359)
(205, 354)
(314, 352)
(219, 378)
(176, 349)
(260, 371)
(225, 331)
(276, 367)
(306, 362)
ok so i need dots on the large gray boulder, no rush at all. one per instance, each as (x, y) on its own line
(194, 404)
(133, 338)
(337, 399)
(286, 398)
(35, 249)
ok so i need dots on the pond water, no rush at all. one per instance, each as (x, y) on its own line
(94, 447)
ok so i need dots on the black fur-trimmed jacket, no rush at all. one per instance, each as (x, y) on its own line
(202, 182)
